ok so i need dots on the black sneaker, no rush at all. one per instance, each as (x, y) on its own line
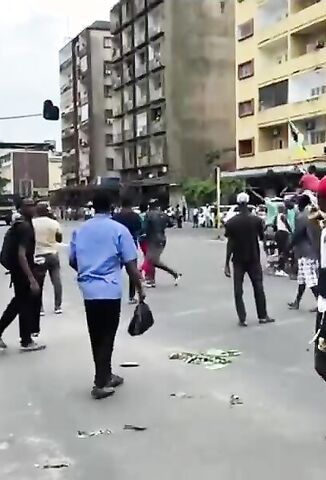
(115, 381)
(293, 306)
(32, 347)
(3, 346)
(101, 393)
(264, 321)
(243, 323)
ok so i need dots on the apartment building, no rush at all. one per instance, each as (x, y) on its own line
(86, 105)
(173, 81)
(281, 78)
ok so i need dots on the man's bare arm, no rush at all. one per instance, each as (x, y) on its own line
(135, 277)
(23, 263)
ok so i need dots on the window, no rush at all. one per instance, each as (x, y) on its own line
(246, 108)
(246, 30)
(246, 70)
(107, 42)
(273, 95)
(109, 163)
(107, 91)
(107, 68)
(246, 147)
(317, 137)
(108, 139)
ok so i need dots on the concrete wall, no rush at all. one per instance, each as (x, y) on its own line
(200, 83)
(31, 166)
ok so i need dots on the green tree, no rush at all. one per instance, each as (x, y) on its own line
(230, 187)
(200, 192)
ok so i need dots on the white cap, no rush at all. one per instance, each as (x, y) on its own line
(242, 197)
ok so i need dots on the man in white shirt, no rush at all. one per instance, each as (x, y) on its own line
(47, 235)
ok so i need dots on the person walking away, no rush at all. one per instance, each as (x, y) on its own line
(243, 233)
(19, 249)
(306, 251)
(155, 225)
(195, 217)
(131, 220)
(282, 238)
(178, 215)
(310, 181)
(98, 251)
(48, 235)
(207, 214)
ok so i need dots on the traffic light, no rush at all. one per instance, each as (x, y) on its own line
(50, 111)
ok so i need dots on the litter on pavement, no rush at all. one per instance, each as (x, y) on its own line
(235, 400)
(135, 428)
(57, 466)
(129, 365)
(181, 395)
(97, 433)
(212, 359)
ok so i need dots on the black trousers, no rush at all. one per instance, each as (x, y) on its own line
(103, 320)
(255, 272)
(282, 239)
(320, 357)
(25, 305)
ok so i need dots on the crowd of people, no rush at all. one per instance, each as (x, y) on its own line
(108, 242)
(300, 236)
(99, 250)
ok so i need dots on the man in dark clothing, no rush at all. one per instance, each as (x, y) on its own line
(243, 233)
(154, 227)
(27, 300)
(131, 220)
(306, 252)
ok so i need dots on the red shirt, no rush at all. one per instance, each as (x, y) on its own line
(310, 182)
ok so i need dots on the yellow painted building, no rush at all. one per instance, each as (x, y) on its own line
(281, 77)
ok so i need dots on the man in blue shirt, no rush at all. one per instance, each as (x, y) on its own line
(98, 251)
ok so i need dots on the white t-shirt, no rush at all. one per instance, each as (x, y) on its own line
(281, 226)
(46, 230)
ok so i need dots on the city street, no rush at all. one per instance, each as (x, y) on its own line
(278, 433)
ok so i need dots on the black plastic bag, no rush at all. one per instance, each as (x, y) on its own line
(141, 321)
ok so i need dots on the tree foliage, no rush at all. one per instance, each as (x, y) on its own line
(200, 192)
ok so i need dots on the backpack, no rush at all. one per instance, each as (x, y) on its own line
(9, 248)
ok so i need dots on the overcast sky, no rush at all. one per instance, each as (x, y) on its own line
(31, 34)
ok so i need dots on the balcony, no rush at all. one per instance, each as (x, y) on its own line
(130, 158)
(141, 63)
(139, 6)
(127, 41)
(127, 11)
(305, 12)
(272, 19)
(117, 75)
(129, 134)
(116, 48)
(117, 138)
(115, 18)
(67, 132)
(266, 159)
(157, 120)
(140, 33)
(128, 105)
(273, 60)
(158, 151)
(156, 88)
(307, 93)
(117, 109)
(156, 22)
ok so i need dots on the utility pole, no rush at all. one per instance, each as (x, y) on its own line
(218, 200)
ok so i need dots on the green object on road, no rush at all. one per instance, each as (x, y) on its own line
(213, 359)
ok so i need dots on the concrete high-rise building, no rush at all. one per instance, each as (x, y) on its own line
(281, 82)
(173, 81)
(86, 105)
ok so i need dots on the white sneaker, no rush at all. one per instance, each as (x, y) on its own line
(42, 313)
(33, 347)
(281, 273)
(58, 311)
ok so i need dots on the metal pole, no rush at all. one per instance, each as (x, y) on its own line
(218, 200)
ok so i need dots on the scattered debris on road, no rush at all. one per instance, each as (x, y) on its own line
(135, 428)
(181, 395)
(235, 400)
(129, 365)
(97, 433)
(212, 359)
(57, 466)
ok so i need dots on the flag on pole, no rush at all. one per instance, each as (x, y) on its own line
(297, 136)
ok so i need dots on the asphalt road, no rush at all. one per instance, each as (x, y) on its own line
(278, 433)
